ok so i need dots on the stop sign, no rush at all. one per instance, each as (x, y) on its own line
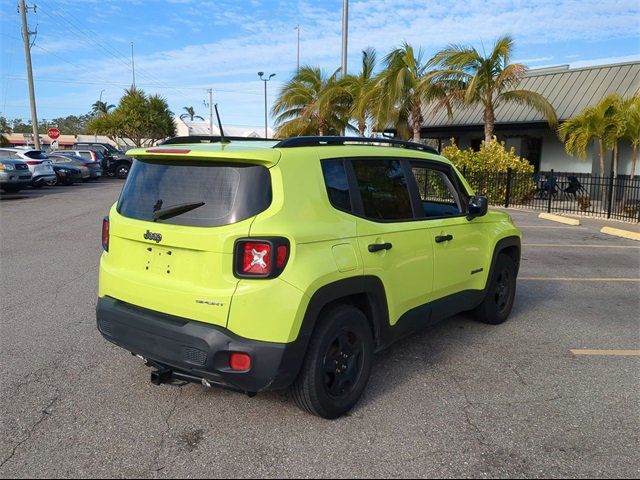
(53, 133)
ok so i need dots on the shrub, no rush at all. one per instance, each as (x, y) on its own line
(486, 171)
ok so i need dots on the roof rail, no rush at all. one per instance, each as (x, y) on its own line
(211, 139)
(312, 141)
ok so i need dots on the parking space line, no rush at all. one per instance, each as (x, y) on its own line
(616, 353)
(582, 279)
(551, 226)
(578, 245)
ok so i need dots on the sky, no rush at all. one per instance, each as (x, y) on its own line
(182, 47)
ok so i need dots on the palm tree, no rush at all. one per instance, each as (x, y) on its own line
(489, 80)
(312, 103)
(402, 92)
(100, 107)
(190, 114)
(629, 121)
(595, 123)
(362, 88)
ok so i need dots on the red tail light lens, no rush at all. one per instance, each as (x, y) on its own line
(240, 362)
(261, 258)
(94, 157)
(105, 234)
(281, 257)
(33, 162)
(256, 258)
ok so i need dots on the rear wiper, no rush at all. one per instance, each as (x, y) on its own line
(175, 210)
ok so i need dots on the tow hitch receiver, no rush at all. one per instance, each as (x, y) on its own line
(160, 376)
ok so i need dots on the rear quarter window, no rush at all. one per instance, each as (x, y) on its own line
(229, 193)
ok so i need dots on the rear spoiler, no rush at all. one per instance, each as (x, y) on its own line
(207, 152)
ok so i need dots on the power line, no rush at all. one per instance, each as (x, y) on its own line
(115, 84)
(80, 30)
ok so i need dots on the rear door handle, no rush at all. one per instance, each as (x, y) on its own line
(376, 247)
(444, 238)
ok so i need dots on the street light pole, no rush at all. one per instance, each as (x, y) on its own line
(345, 31)
(265, 80)
(298, 62)
(26, 35)
(95, 135)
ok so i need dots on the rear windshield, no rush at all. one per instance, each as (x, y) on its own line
(197, 194)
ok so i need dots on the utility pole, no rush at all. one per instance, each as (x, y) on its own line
(133, 67)
(345, 31)
(210, 90)
(298, 63)
(26, 34)
(265, 80)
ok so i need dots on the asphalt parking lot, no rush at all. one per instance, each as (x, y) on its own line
(461, 399)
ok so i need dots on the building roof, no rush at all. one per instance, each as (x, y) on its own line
(568, 90)
(185, 127)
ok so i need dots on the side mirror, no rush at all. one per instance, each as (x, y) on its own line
(478, 206)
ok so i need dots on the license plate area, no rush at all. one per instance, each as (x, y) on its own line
(159, 260)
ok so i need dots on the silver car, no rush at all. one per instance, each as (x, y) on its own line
(38, 163)
(14, 173)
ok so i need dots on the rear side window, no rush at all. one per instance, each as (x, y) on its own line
(383, 189)
(335, 179)
(202, 194)
(36, 155)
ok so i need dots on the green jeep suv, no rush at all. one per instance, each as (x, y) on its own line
(261, 265)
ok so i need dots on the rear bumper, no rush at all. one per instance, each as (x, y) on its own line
(13, 178)
(196, 350)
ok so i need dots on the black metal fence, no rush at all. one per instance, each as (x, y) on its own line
(609, 196)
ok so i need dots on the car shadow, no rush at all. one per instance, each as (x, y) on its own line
(431, 348)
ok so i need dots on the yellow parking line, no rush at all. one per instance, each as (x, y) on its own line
(616, 353)
(577, 245)
(582, 279)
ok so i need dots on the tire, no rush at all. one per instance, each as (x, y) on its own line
(325, 387)
(53, 183)
(38, 185)
(122, 170)
(501, 291)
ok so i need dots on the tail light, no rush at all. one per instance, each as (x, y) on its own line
(94, 157)
(260, 258)
(105, 234)
(240, 362)
(33, 162)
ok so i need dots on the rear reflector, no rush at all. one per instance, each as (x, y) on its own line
(167, 150)
(105, 234)
(240, 362)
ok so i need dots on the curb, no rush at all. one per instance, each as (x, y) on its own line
(560, 219)
(620, 233)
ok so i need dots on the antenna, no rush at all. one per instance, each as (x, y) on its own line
(222, 139)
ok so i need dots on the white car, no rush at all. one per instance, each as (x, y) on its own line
(39, 164)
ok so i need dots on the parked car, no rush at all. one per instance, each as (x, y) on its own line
(92, 160)
(79, 163)
(116, 163)
(14, 173)
(38, 163)
(65, 175)
(262, 265)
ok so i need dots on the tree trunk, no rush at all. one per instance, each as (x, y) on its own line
(601, 157)
(489, 124)
(362, 127)
(615, 160)
(634, 161)
(416, 119)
